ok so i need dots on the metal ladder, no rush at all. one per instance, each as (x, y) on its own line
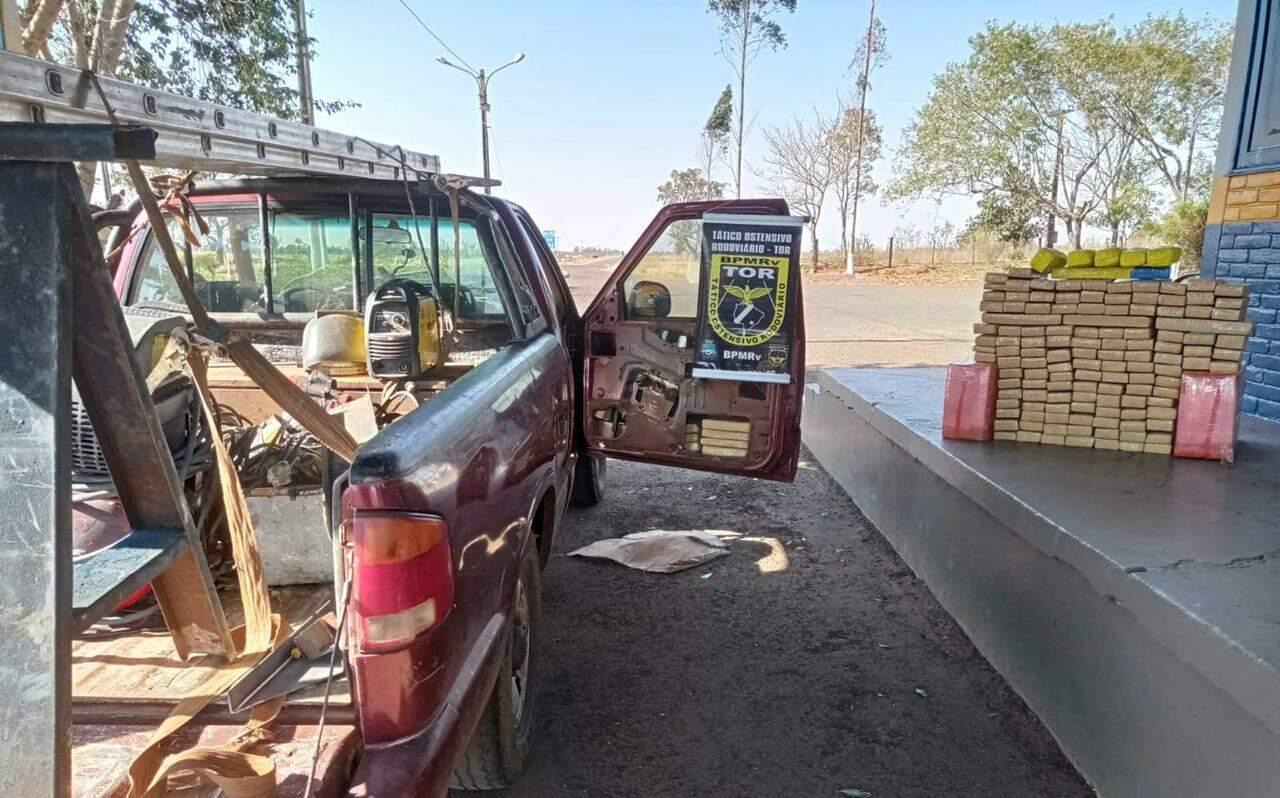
(60, 316)
(194, 134)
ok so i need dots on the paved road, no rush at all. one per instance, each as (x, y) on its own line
(808, 661)
(868, 324)
(860, 323)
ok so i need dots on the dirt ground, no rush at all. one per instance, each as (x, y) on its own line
(808, 661)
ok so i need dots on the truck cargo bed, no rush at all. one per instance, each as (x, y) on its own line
(124, 684)
(138, 669)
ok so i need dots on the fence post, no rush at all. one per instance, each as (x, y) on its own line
(890, 266)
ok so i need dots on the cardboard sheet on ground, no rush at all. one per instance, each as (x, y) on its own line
(662, 551)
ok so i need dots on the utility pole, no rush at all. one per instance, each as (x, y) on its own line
(10, 26)
(863, 82)
(742, 93)
(306, 104)
(482, 84)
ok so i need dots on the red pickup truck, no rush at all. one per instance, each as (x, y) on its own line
(447, 517)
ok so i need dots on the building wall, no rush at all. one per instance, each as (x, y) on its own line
(1242, 235)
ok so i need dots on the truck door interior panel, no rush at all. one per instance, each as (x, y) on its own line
(641, 400)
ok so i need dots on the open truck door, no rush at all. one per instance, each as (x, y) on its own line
(645, 398)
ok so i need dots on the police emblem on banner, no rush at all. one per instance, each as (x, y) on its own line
(747, 318)
(748, 298)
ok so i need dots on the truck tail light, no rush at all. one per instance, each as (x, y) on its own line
(402, 578)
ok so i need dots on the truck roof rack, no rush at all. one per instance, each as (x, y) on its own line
(194, 134)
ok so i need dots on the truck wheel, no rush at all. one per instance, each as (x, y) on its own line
(500, 746)
(588, 480)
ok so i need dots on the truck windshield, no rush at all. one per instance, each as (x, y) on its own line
(311, 262)
(394, 257)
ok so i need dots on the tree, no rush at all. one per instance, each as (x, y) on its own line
(854, 147)
(1183, 226)
(941, 236)
(240, 54)
(1069, 118)
(687, 185)
(871, 53)
(1006, 122)
(746, 28)
(38, 17)
(1009, 218)
(798, 165)
(1166, 89)
(714, 143)
(1127, 206)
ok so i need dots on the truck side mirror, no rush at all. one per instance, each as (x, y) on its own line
(649, 300)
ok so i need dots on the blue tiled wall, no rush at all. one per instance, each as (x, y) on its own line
(1250, 252)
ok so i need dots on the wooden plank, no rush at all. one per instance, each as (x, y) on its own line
(104, 750)
(141, 667)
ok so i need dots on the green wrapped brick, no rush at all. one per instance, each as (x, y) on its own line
(1047, 260)
(1107, 258)
(1080, 257)
(1092, 273)
(1133, 257)
(1163, 256)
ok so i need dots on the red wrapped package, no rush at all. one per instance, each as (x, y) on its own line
(1208, 416)
(969, 408)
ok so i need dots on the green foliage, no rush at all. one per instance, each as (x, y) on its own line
(242, 54)
(757, 14)
(1183, 226)
(1011, 219)
(687, 185)
(1131, 205)
(1166, 84)
(871, 53)
(845, 153)
(1131, 106)
(989, 123)
(720, 123)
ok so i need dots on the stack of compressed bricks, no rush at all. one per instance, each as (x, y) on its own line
(1098, 364)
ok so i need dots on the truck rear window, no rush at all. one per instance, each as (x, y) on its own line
(311, 265)
(227, 266)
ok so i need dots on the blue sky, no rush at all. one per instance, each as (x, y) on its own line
(612, 95)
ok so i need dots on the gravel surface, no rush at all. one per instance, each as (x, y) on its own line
(809, 661)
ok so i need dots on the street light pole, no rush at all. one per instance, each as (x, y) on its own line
(306, 107)
(482, 84)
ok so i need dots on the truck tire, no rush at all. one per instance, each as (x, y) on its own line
(499, 749)
(588, 480)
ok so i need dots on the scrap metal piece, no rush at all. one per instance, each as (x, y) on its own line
(289, 666)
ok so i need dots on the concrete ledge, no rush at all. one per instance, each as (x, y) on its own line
(1132, 600)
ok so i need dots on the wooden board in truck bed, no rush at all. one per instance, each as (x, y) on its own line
(135, 675)
(101, 754)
